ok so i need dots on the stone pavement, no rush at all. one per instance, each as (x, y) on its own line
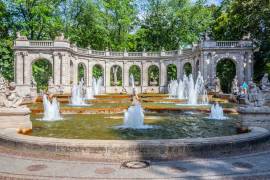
(249, 166)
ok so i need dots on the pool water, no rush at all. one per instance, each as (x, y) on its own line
(103, 127)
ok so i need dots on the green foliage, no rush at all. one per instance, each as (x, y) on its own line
(187, 69)
(37, 19)
(136, 72)
(235, 18)
(6, 60)
(226, 71)
(42, 71)
(153, 75)
(97, 71)
(171, 72)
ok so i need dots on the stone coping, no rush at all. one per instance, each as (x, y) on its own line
(19, 111)
(254, 110)
(116, 150)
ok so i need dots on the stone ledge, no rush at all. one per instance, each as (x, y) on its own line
(116, 150)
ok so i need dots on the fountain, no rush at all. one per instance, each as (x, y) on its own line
(51, 109)
(97, 85)
(186, 89)
(89, 93)
(217, 112)
(134, 117)
(77, 98)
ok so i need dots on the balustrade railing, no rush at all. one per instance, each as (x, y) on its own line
(186, 51)
(135, 54)
(41, 43)
(98, 53)
(118, 54)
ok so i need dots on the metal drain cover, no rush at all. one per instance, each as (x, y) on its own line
(36, 167)
(242, 165)
(135, 164)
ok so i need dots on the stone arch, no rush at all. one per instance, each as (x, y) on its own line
(153, 75)
(187, 68)
(41, 71)
(226, 71)
(136, 71)
(116, 75)
(82, 71)
(171, 72)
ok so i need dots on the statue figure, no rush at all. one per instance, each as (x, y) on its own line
(115, 70)
(33, 82)
(50, 82)
(265, 84)
(217, 85)
(9, 98)
(235, 87)
(254, 96)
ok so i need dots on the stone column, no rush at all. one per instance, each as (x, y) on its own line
(56, 68)
(19, 72)
(27, 69)
(144, 74)
(75, 70)
(162, 74)
(107, 74)
(178, 67)
(126, 67)
(65, 69)
(90, 72)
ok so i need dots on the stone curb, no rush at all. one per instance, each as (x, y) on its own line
(117, 150)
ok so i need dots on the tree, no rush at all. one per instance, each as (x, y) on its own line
(37, 19)
(242, 17)
(120, 19)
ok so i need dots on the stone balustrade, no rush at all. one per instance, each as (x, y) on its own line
(74, 48)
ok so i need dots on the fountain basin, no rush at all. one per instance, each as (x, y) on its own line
(118, 150)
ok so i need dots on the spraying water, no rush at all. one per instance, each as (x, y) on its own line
(51, 109)
(97, 83)
(217, 112)
(77, 95)
(195, 93)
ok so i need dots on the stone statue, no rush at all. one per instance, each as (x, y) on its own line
(115, 70)
(254, 96)
(60, 38)
(50, 82)
(9, 98)
(217, 85)
(20, 37)
(235, 87)
(33, 82)
(265, 84)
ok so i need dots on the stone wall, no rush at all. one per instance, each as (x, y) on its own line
(65, 58)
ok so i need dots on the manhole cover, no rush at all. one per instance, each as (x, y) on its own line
(178, 169)
(135, 164)
(36, 167)
(242, 165)
(104, 170)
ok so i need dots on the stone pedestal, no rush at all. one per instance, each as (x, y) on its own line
(255, 116)
(266, 95)
(15, 118)
(33, 92)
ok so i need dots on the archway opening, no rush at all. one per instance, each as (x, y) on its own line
(41, 72)
(81, 72)
(136, 72)
(171, 72)
(226, 71)
(153, 75)
(97, 71)
(187, 68)
(116, 75)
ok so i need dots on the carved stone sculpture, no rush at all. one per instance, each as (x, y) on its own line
(254, 97)
(235, 87)
(265, 84)
(9, 98)
(217, 85)
(33, 82)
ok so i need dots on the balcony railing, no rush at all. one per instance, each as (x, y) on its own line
(41, 43)
(186, 51)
